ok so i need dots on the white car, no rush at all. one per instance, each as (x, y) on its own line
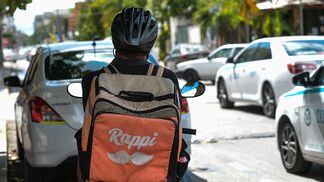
(206, 68)
(300, 123)
(10, 55)
(47, 117)
(262, 71)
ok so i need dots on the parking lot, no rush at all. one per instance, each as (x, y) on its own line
(230, 145)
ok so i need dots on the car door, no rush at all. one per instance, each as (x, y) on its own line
(21, 110)
(252, 71)
(241, 65)
(214, 62)
(312, 116)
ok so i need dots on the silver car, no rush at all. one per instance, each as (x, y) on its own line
(46, 116)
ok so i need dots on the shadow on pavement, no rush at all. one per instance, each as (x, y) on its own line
(3, 168)
(250, 109)
(316, 173)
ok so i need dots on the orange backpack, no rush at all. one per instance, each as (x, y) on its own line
(132, 129)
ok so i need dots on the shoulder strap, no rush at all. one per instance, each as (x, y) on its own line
(155, 70)
(150, 69)
(110, 69)
(160, 71)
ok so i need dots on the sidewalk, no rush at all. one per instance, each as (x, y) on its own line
(6, 114)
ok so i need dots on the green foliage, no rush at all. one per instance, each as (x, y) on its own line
(97, 18)
(10, 6)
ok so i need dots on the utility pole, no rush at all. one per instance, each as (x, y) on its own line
(301, 18)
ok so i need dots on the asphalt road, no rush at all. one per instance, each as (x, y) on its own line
(237, 144)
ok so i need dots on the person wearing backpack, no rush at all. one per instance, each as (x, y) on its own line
(132, 124)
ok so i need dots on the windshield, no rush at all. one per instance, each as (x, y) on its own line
(193, 48)
(76, 64)
(304, 47)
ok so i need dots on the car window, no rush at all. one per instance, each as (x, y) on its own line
(304, 47)
(222, 53)
(248, 54)
(176, 51)
(237, 50)
(76, 64)
(319, 80)
(32, 67)
(263, 52)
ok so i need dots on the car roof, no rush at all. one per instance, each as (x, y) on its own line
(84, 45)
(289, 38)
(233, 45)
(73, 46)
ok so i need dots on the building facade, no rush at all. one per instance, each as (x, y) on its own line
(308, 15)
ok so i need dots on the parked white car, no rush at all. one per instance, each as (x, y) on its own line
(206, 68)
(262, 71)
(47, 117)
(300, 123)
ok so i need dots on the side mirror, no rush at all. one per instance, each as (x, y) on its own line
(12, 81)
(302, 79)
(230, 60)
(193, 89)
(75, 90)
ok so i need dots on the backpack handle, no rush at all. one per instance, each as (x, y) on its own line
(136, 96)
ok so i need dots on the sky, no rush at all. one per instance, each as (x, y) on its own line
(24, 19)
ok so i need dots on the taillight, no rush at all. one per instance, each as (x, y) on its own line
(296, 68)
(185, 106)
(184, 57)
(41, 112)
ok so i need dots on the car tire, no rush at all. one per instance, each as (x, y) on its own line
(32, 174)
(268, 101)
(223, 96)
(191, 76)
(20, 149)
(291, 156)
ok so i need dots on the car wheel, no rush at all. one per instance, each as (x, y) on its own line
(291, 155)
(268, 99)
(191, 76)
(32, 174)
(222, 95)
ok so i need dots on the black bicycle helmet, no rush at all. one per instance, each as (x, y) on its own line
(134, 29)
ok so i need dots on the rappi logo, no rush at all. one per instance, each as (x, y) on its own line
(118, 137)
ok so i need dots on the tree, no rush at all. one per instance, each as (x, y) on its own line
(229, 18)
(163, 10)
(96, 20)
(8, 7)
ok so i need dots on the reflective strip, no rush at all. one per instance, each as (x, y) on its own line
(160, 71)
(150, 69)
(107, 70)
(113, 67)
(308, 91)
(51, 122)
